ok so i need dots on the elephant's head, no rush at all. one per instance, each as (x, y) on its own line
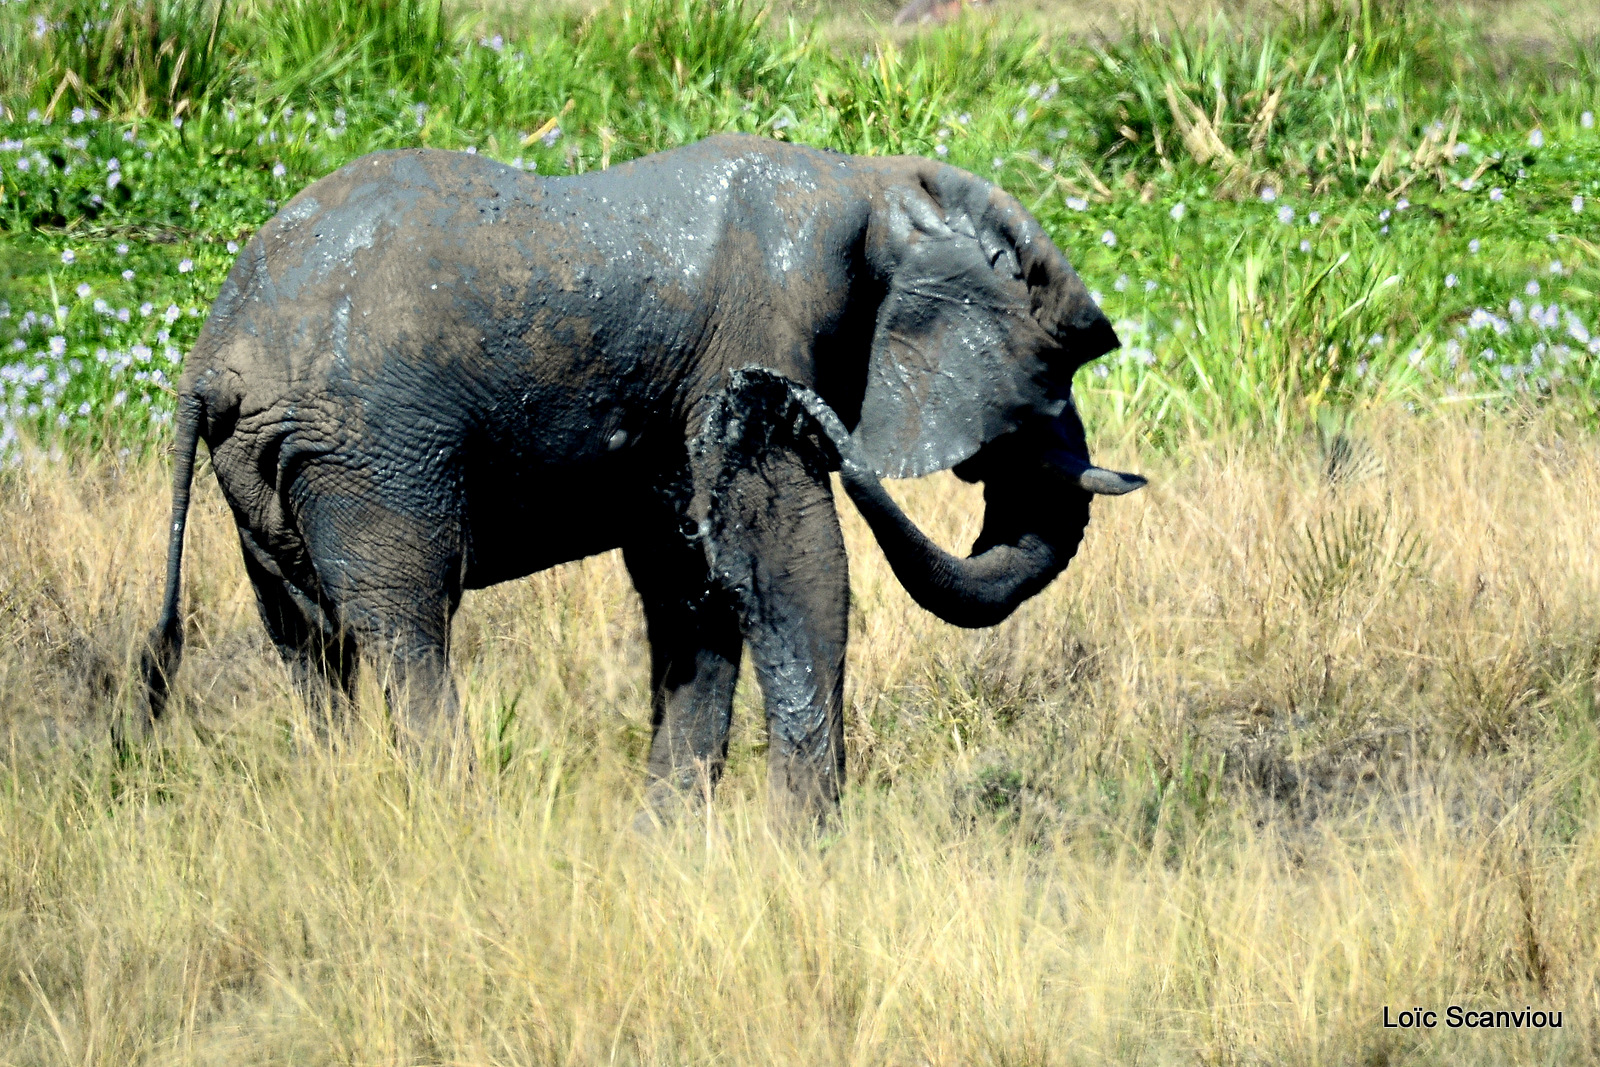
(981, 326)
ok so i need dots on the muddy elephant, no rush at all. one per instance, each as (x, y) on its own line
(431, 372)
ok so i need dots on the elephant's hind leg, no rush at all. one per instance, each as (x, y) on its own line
(320, 658)
(393, 582)
(695, 647)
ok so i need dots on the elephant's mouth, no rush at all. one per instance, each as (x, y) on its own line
(1066, 453)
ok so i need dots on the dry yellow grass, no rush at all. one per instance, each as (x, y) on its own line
(1271, 756)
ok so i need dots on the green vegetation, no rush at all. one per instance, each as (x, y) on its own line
(1358, 204)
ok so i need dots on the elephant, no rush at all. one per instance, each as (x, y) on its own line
(432, 372)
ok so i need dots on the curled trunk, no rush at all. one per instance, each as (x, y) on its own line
(1036, 506)
(986, 587)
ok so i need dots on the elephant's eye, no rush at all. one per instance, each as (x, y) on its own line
(1005, 261)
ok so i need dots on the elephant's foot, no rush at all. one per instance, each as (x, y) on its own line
(131, 728)
(803, 794)
(674, 799)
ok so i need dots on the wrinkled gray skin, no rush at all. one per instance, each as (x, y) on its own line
(431, 372)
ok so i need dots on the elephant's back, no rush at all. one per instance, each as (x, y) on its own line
(397, 255)
(393, 227)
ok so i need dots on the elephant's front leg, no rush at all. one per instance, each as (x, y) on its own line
(774, 540)
(695, 646)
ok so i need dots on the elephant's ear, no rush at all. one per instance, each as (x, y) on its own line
(961, 352)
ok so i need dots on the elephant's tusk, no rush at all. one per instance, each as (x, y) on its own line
(1086, 476)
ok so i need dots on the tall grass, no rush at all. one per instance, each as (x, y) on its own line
(1307, 730)
(139, 57)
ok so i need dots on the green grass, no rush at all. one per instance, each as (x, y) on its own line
(1290, 221)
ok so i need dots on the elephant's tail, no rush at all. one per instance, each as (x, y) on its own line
(164, 648)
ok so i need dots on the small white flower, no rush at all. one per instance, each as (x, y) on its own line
(185, 266)
(1577, 204)
(1450, 281)
(127, 275)
(279, 170)
(78, 115)
(1315, 218)
(69, 257)
(1077, 203)
(1467, 185)
(1586, 120)
(1150, 287)
(1384, 229)
(177, 122)
(1497, 193)
(1178, 211)
(964, 118)
(1473, 246)
(113, 179)
(1532, 288)
(1462, 150)
(942, 149)
(172, 314)
(1286, 214)
(1305, 246)
(1108, 239)
(1536, 138)
(1555, 266)
(1268, 194)
(58, 346)
(1383, 216)
(120, 398)
(84, 290)
(233, 247)
(997, 163)
(1402, 204)
(1121, 284)
(1021, 116)
(83, 408)
(122, 250)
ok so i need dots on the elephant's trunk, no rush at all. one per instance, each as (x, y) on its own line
(981, 590)
(1037, 506)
